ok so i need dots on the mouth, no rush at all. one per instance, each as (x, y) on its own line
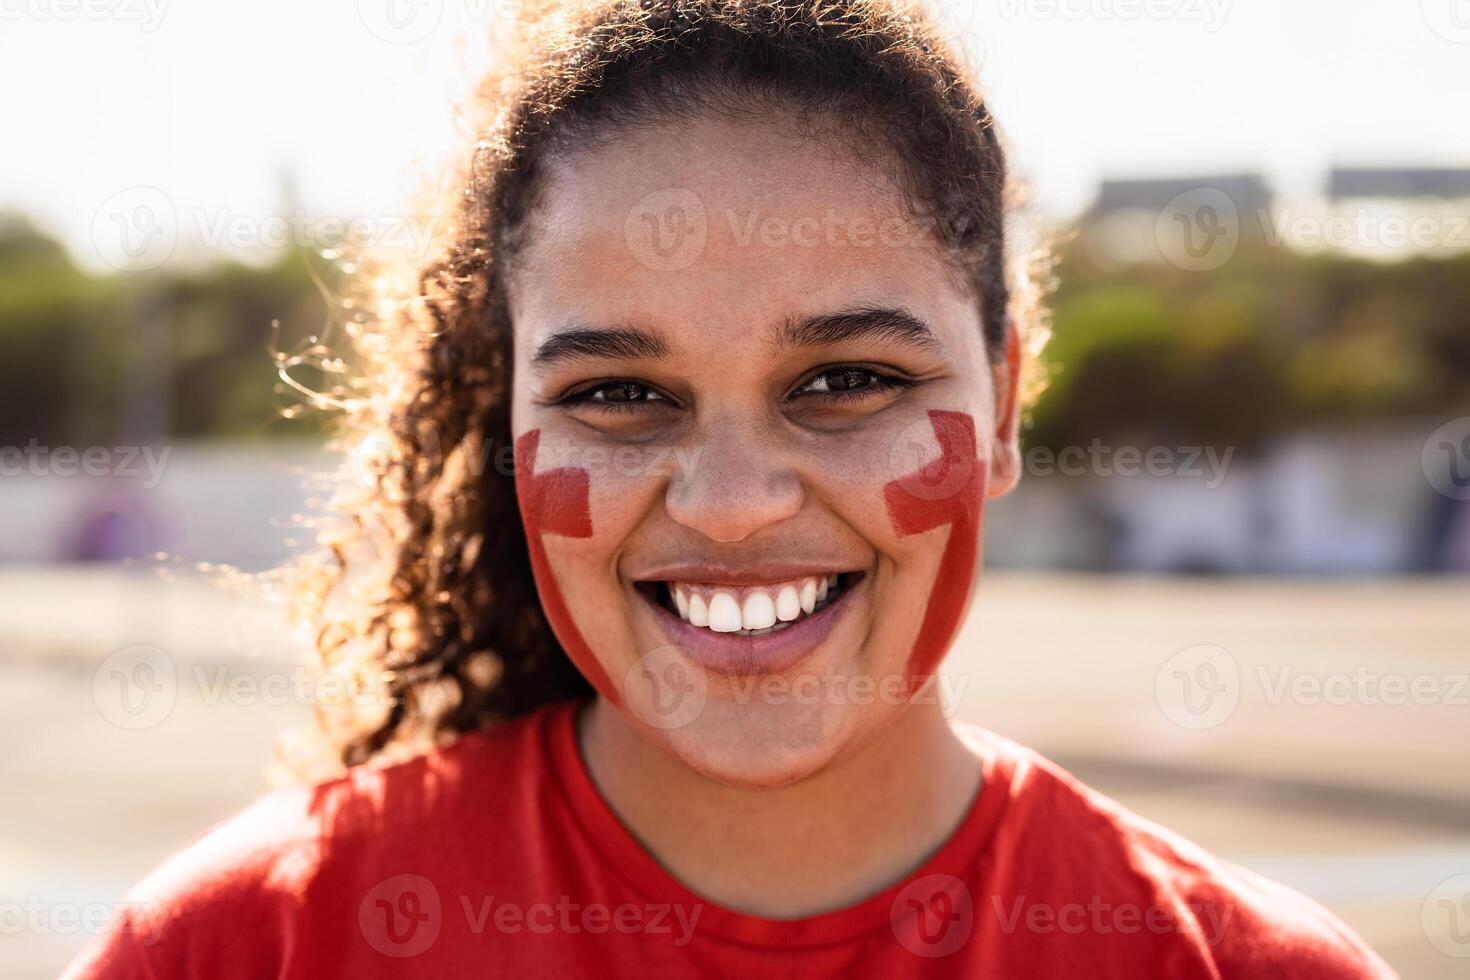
(755, 627)
(749, 610)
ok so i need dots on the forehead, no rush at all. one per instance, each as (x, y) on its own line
(718, 228)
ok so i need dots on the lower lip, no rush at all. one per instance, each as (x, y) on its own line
(742, 656)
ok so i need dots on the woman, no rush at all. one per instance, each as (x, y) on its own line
(730, 277)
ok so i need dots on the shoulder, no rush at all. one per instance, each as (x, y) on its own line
(1140, 875)
(255, 871)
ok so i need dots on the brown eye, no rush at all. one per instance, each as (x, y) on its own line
(617, 396)
(843, 381)
(622, 391)
(846, 380)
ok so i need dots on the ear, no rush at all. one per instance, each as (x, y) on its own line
(1005, 448)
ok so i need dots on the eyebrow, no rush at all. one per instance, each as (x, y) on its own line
(894, 325)
(599, 343)
(870, 323)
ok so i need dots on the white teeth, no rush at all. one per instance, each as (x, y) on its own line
(756, 609)
(724, 613)
(808, 594)
(698, 612)
(759, 612)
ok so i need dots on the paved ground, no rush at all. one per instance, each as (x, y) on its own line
(1334, 756)
(1318, 732)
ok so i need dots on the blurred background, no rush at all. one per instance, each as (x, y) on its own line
(1231, 590)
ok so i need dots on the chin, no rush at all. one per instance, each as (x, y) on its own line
(764, 746)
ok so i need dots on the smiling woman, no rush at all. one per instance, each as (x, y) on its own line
(731, 276)
(804, 377)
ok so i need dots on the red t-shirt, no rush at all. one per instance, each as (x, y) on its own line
(496, 856)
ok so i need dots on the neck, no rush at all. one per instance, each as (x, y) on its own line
(821, 844)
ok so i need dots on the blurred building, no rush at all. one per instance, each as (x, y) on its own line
(1376, 212)
(1316, 503)
(1448, 183)
(1248, 191)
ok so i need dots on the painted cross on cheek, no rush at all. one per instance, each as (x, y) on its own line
(556, 502)
(948, 490)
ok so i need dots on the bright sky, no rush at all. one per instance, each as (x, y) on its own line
(212, 102)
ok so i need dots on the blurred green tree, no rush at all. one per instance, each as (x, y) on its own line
(1271, 341)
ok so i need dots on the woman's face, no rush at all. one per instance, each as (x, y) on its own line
(755, 427)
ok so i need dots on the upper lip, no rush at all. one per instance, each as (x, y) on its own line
(709, 573)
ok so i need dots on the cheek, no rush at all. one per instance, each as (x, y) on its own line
(578, 503)
(947, 492)
(912, 492)
(918, 497)
(555, 500)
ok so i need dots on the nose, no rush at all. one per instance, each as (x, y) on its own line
(736, 484)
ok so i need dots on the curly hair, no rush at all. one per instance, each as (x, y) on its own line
(428, 596)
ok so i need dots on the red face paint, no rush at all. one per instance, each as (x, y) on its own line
(556, 502)
(948, 490)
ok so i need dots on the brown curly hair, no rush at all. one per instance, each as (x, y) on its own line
(428, 596)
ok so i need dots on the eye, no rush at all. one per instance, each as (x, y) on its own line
(615, 396)
(848, 382)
